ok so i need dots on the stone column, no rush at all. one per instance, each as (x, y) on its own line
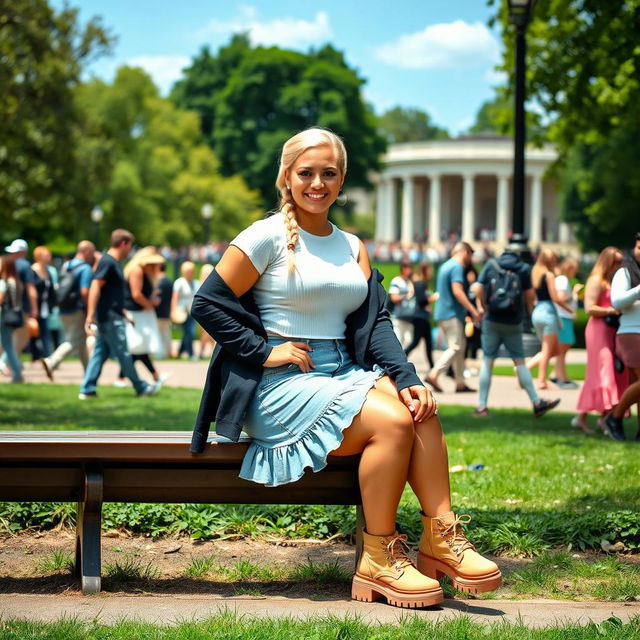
(408, 203)
(502, 210)
(382, 209)
(535, 234)
(468, 222)
(564, 233)
(392, 210)
(435, 218)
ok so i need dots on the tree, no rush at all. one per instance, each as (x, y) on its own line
(146, 162)
(404, 124)
(42, 53)
(494, 116)
(251, 100)
(583, 69)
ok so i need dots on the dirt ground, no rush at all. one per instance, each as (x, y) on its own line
(21, 556)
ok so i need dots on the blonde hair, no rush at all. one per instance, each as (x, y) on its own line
(292, 149)
(566, 265)
(546, 262)
(187, 264)
(40, 252)
(142, 258)
(604, 266)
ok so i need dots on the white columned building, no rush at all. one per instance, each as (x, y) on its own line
(433, 191)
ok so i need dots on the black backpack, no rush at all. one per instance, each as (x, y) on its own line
(504, 291)
(68, 293)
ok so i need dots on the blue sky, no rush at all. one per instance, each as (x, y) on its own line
(436, 55)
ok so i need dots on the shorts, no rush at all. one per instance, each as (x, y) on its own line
(545, 319)
(496, 333)
(566, 335)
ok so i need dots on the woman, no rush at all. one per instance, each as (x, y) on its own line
(625, 297)
(184, 288)
(603, 385)
(10, 313)
(140, 302)
(421, 320)
(205, 339)
(545, 317)
(292, 302)
(402, 296)
(40, 346)
(567, 269)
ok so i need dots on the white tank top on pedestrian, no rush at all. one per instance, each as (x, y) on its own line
(327, 286)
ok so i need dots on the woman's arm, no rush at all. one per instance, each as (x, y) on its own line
(136, 278)
(553, 292)
(622, 294)
(591, 295)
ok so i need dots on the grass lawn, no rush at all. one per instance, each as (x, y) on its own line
(575, 370)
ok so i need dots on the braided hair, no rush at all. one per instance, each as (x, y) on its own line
(291, 151)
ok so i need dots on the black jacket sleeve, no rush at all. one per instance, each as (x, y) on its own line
(234, 323)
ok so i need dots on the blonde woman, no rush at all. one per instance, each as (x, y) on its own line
(307, 361)
(544, 316)
(184, 288)
(603, 385)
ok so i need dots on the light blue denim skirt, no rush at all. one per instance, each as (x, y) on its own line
(545, 319)
(296, 419)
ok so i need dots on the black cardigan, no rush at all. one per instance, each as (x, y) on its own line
(236, 364)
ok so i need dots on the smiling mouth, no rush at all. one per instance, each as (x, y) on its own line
(315, 196)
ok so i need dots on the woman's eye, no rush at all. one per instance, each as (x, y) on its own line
(330, 174)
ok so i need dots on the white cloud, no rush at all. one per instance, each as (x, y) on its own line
(453, 44)
(496, 77)
(283, 32)
(164, 70)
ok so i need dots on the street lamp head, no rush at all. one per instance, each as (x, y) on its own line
(96, 214)
(520, 11)
(207, 211)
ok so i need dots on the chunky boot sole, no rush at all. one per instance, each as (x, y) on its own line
(369, 590)
(437, 569)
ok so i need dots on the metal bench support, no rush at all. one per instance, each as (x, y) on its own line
(88, 526)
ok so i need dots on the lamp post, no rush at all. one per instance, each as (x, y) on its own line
(96, 215)
(207, 213)
(519, 15)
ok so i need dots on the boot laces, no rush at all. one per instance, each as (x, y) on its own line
(454, 536)
(396, 550)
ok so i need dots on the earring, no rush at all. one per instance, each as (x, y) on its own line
(342, 199)
(288, 187)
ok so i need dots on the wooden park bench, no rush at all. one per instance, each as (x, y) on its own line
(92, 467)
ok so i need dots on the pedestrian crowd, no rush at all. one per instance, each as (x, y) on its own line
(94, 308)
(493, 309)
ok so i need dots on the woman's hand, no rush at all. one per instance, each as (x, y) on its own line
(420, 402)
(290, 352)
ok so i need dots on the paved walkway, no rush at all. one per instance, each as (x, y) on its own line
(109, 609)
(505, 391)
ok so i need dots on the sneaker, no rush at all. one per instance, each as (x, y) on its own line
(121, 384)
(613, 427)
(4, 369)
(566, 384)
(480, 413)
(87, 396)
(150, 390)
(18, 380)
(163, 377)
(47, 368)
(543, 406)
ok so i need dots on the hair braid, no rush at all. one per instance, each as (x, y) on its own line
(291, 226)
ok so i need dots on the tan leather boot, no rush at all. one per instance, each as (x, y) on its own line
(444, 550)
(385, 570)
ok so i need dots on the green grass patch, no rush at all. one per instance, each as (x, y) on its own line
(543, 486)
(230, 625)
(575, 370)
(58, 561)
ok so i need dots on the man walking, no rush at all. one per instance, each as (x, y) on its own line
(502, 291)
(452, 307)
(106, 318)
(73, 293)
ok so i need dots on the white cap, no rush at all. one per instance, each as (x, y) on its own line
(17, 246)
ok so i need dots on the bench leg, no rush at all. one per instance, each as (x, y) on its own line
(88, 527)
(360, 526)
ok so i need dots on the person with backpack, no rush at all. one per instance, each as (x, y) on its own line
(73, 290)
(502, 291)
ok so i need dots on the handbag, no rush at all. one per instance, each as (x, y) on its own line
(143, 336)
(179, 315)
(406, 309)
(12, 316)
(612, 320)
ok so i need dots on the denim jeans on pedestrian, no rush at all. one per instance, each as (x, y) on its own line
(6, 340)
(188, 335)
(111, 340)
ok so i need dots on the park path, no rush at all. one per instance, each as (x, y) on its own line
(505, 391)
(161, 609)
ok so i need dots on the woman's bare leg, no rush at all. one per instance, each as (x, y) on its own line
(561, 362)
(630, 396)
(549, 348)
(383, 432)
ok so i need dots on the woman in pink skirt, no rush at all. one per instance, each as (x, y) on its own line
(603, 385)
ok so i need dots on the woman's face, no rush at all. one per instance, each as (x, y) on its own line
(636, 251)
(187, 273)
(45, 258)
(315, 180)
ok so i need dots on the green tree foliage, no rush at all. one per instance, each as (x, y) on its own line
(583, 68)
(251, 99)
(41, 56)
(404, 124)
(494, 116)
(145, 161)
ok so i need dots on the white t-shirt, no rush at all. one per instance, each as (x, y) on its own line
(314, 301)
(563, 285)
(626, 299)
(186, 290)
